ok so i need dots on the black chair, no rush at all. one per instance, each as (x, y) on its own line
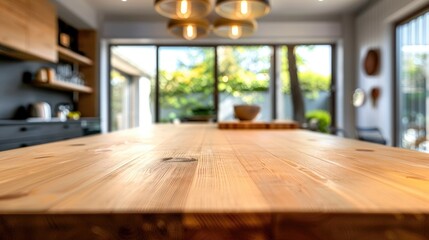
(370, 134)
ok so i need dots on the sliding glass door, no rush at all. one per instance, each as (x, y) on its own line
(203, 83)
(132, 82)
(186, 84)
(244, 75)
(314, 70)
(413, 82)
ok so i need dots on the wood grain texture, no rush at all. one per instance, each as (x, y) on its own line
(250, 226)
(351, 226)
(258, 125)
(88, 103)
(194, 181)
(13, 24)
(29, 29)
(65, 86)
(42, 30)
(91, 227)
(69, 55)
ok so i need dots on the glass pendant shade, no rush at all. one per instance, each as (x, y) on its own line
(189, 29)
(242, 9)
(234, 29)
(183, 9)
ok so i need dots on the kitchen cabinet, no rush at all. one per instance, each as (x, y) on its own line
(13, 24)
(87, 99)
(28, 29)
(29, 134)
(77, 60)
(42, 30)
(16, 134)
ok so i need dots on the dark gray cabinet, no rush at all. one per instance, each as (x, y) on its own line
(23, 134)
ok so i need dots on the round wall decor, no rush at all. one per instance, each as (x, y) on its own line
(372, 62)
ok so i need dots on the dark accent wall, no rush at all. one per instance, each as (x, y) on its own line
(15, 93)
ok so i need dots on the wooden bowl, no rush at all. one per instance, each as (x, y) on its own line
(246, 112)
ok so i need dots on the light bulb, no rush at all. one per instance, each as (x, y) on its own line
(183, 9)
(190, 32)
(243, 9)
(235, 32)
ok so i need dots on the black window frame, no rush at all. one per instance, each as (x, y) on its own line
(273, 79)
(395, 69)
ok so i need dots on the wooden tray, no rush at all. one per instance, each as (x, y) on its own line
(258, 125)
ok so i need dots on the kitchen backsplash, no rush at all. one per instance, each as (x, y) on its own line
(14, 93)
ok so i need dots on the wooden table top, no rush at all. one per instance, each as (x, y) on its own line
(258, 125)
(198, 170)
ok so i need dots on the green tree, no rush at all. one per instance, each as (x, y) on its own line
(244, 69)
(311, 83)
(241, 70)
(118, 83)
(193, 76)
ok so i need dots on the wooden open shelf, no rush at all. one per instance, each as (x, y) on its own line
(65, 86)
(68, 55)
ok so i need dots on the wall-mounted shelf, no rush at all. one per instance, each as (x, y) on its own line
(65, 86)
(68, 55)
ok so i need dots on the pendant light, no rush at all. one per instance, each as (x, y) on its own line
(234, 29)
(189, 29)
(183, 9)
(242, 9)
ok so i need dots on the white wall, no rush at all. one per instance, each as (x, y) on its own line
(375, 29)
(268, 32)
(77, 12)
(346, 76)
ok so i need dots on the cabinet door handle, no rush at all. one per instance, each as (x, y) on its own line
(66, 126)
(26, 129)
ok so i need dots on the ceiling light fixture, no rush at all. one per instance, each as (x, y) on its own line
(187, 17)
(234, 29)
(183, 9)
(189, 29)
(242, 9)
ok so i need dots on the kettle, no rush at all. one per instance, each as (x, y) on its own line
(41, 110)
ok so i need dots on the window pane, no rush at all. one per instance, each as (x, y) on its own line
(119, 103)
(413, 72)
(186, 83)
(314, 64)
(244, 78)
(132, 84)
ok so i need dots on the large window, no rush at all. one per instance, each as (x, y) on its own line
(186, 83)
(203, 83)
(314, 70)
(244, 78)
(413, 85)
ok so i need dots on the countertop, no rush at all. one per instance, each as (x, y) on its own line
(194, 181)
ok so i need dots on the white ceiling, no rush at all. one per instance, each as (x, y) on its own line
(282, 10)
